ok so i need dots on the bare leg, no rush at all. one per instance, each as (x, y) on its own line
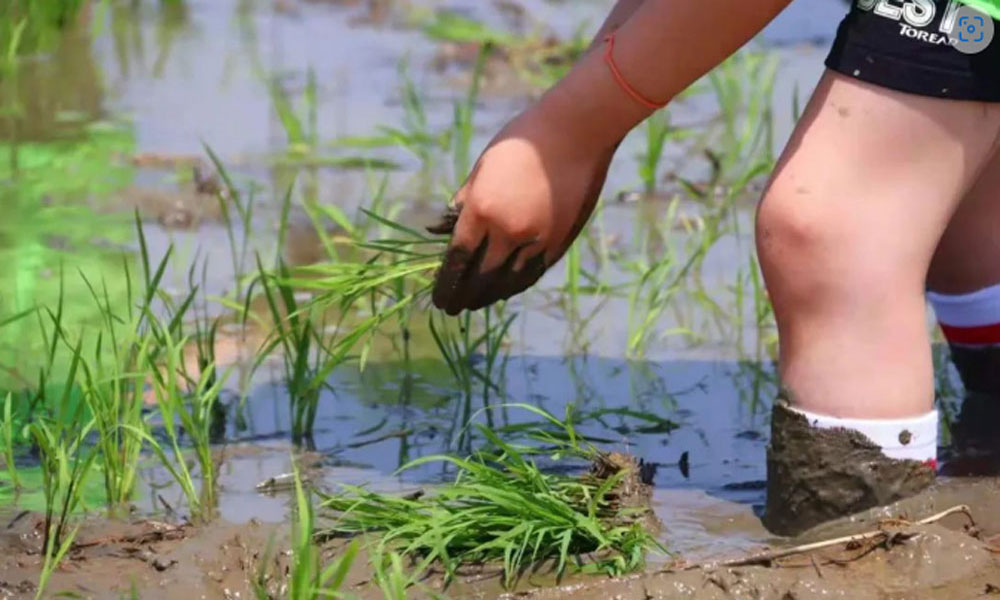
(968, 257)
(846, 234)
(965, 280)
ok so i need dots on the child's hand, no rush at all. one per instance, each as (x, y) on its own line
(529, 195)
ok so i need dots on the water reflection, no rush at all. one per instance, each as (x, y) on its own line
(389, 415)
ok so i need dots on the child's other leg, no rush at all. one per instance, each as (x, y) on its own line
(964, 285)
(964, 288)
(846, 233)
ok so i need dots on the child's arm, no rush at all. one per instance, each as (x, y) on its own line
(535, 186)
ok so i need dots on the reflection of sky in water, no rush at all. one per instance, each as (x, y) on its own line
(719, 415)
(715, 413)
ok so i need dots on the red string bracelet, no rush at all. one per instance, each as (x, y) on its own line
(609, 58)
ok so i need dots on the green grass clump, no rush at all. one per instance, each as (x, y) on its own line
(503, 509)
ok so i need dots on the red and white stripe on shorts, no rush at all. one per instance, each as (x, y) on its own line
(969, 319)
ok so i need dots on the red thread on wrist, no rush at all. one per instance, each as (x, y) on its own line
(609, 58)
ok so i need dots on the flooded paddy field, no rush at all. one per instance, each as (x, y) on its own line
(215, 326)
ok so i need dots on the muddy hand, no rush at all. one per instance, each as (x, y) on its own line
(526, 200)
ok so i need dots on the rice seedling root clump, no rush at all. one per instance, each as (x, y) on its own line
(503, 510)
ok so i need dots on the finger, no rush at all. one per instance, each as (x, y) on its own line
(521, 270)
(451, 289)
(500, 251)
(529, 252)
(467, 239)
(467, 289)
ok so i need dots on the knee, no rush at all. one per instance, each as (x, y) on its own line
(790, 229)
(801, 250)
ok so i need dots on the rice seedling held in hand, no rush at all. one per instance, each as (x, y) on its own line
(503, 509)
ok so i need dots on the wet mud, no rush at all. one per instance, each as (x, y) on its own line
(815, 475)
(951, 557)
(110, 559)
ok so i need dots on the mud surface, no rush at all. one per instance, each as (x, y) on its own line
(924, 562)
(950, 558)
(156, 559)
(947, 559)
(815, 475)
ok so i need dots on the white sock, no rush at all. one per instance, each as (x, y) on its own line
(970, 320)
(914, 438)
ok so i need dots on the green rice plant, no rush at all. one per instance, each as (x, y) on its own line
(463, 126)
(502, 509)
(11, 108)
(453, 27)
(658, 284)
(300, 129)
(393, 274)
(59, 426)
(391, 577)
(415, 135)
(7, 439)
(52, 557)
(114, 395)
(66, 461)
(113, 378)
(658, 131)
(230, 202)
(574, 270)
(186, 403)
(307, 579)
(473, 358)
(744, 89)
(298, 334)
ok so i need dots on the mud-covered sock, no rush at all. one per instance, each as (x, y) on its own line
(971, 324)
(912, 438)
(821, 468)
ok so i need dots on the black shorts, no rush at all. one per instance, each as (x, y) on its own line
(906, 45)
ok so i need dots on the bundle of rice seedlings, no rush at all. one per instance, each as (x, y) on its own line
(502, 509)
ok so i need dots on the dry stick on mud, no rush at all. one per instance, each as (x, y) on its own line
(766, 558)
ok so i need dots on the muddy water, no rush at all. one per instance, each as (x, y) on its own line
(697, 406)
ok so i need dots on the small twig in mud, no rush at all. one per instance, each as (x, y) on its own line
(766, 558)
(819, 571)
(161, 532)
(402, 433)
(166, 505)
(18, 517)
